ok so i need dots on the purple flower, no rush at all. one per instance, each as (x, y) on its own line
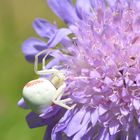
(104, 52)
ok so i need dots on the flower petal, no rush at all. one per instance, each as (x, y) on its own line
(47, 135)
(31, 47)
(80, 97)
(22, 104)
(58, 37)
(111, 3)
(49, 112)
(64, 10)
(137, 134)
(58, 136)
(43, 28)
(113, 127)
(52, 63)
(98, 4)
(34, 121)
(102, 110)
(104, 135)
(83, 8)
(82, 131)
(94, 117)
(78, 121)
(63, 122)
(136, 104)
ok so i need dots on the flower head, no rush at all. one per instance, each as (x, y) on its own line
(102, 63)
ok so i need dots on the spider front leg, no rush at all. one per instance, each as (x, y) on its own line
(57, 99)
(43, 71)
(36, 60)
(62, 103)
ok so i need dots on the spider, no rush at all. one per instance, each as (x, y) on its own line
(42, 92)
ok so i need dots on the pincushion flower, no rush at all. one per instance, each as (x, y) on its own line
(104, 50)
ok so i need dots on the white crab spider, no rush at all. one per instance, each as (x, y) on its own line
(42, 93)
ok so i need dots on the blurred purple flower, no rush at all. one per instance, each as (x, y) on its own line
(105, 50)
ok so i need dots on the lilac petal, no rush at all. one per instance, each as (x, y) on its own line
(102, 109)
(48, 132)
(105, 118)
(138, 79)
(57, 55)
(108, 81)
(79, 120)
(137, 134)
(95, 74)
(137, 4)
(98, 4)
(58, 37)
(49, 112)
(114, 137)
(61, 57)
(63, 122)
(34, 121)
(51, 117)
(43, 28)
(124, 92)
(111, 3)
(92, 133)
(31, 47)
(136, 104)
(113, 98)
(83, 7)
(64, 10)
(82, 131)
(68, 44)
(22, 104)
(124, 111)
(104, 135)
(53, 63)
(94, 117)
(113, 127)
(57, 136)
(47, 135)
(80, 97)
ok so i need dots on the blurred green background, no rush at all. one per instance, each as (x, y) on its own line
(16, 17)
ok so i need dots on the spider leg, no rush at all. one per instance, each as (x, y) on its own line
(62, 104)
(65, 100)
(44, 71)
(57, 99)
(43, 61)
(36, 60)
(49, 71)
(60, 92)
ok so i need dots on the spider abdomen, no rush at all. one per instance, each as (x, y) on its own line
(38, 94)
